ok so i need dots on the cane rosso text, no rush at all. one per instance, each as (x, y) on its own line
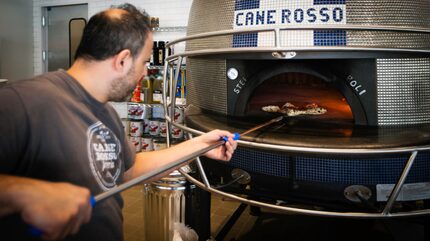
(255, 17)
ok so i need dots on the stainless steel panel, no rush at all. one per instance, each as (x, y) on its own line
(58, 33)
(214, 15)
(204, 19)
(206, 84)
(403, 91)
(412, 13)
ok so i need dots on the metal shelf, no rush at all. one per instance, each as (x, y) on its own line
(170, 29)
(160, 67)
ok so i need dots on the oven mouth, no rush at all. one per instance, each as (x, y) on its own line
(299, 91)
(306, 133)
(299, 84)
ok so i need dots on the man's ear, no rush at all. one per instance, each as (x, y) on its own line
(123, 61)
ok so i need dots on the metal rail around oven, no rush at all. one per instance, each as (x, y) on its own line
(170, 82)
(277, 44)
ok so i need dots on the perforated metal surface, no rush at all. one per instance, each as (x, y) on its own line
(389, 12)
(362, 171)
(403, 91)
(383, 39)
(206, 84)
(212, 15)
(209, 16)
(367, 171)
(261, 162)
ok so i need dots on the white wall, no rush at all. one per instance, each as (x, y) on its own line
(172, 13)
(16, 39)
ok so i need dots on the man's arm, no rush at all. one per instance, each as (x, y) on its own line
(57, 209)
(149, 161)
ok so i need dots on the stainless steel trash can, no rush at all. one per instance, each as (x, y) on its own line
(164, 204)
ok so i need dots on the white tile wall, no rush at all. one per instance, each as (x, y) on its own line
(172, 13)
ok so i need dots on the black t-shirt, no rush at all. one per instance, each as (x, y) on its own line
(52, 129)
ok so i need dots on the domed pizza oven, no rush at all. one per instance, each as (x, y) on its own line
(366, 63)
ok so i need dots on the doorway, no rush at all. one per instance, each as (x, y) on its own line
(62, 28)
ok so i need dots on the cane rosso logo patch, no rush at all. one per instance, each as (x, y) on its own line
(103, 152)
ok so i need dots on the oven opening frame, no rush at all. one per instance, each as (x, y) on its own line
(254, 73)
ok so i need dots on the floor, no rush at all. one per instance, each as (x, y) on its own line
(273, 226)
(133, 213)
(221, 210)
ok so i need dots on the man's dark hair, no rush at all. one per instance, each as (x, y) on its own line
(105, 36)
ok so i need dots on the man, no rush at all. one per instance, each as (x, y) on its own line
(61, 142)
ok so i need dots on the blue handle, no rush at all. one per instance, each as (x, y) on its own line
(235, 137)
(93, 201)
(35, 232)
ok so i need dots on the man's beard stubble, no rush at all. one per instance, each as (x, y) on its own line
(121, 88)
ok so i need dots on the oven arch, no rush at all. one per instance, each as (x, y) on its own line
(358, 112)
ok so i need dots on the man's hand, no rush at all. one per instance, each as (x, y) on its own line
(155, 160)
(224, 152)
(56, 209)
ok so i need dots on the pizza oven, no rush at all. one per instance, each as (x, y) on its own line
(366, 63)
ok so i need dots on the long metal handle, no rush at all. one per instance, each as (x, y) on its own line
(37, 232)
(156, 172)
(274, 120)
(171, 165)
